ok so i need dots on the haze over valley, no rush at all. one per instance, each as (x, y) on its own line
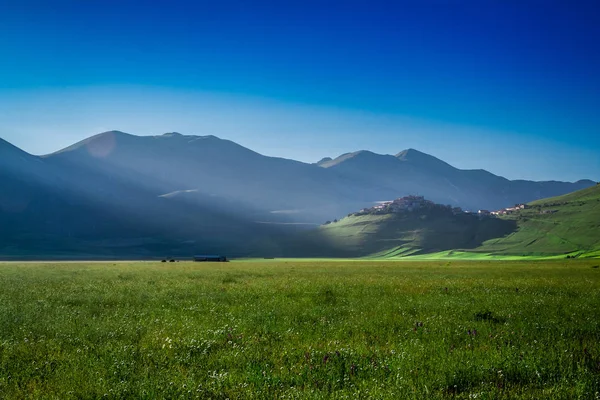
(120, 195)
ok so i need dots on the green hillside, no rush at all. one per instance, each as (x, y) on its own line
(558, 225)
(554, 227)
(400, 234)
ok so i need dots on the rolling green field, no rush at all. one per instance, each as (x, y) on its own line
(293, 329)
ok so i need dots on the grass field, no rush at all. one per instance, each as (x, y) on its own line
(293, 329)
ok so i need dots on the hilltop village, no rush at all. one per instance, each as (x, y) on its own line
(405, 204)
(415, 203)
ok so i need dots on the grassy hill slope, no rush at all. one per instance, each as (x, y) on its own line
(554, 227)
(416, 232)
(558, 225)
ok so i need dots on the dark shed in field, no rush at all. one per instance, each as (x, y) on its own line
(213, 258)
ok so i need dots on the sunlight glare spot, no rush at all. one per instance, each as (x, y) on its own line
(103, 146)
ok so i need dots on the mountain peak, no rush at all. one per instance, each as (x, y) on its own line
(358, 154)
(423, 159)
(112, 133)
(324, 160)
(363, 153)
(361, 159)
(172, 134)
(177, 135)
(587, 182)
(410, 153)
(328, 162)
(413, 154)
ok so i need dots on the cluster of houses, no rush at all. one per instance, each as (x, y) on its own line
(404, 204)
(414, 203)
(408, 203)
(508, 210)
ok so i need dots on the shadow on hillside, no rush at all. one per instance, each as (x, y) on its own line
(299, 244)
(437, 232)
(467, 232)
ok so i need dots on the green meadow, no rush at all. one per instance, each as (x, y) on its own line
(294, 329)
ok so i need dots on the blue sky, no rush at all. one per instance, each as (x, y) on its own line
(511, 86)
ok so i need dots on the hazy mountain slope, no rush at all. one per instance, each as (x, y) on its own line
(216, 167)
(22, 178)
(413, 172)
(558, 225)
(34, 209)
(53, 209)
(29, 190)
(307, 193)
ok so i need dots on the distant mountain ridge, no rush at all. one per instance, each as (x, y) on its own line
(174, 188)
(414, 172)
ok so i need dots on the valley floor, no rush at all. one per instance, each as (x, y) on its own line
(301, 329)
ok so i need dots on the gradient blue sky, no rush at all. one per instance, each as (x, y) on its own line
(509, 86)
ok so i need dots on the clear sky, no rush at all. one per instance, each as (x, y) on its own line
(509, 86)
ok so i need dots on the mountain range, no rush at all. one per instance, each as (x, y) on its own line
(414, 172)
(116, 194)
